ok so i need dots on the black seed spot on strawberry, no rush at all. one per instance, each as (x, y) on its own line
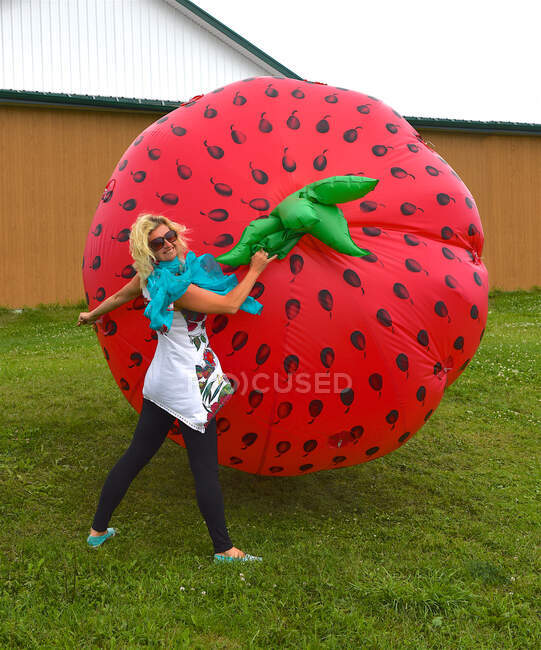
(123, 235)
(432, 170)
(178, 130)
(323, 125)
(237, 136)
(271, 92)
(128, 205)
(422, 338)
(441, 308)
(351, 277)
(325, 299)
(128, 272)
(372, 451)
(411, 240)
(264, 125)
(296, 263)
(100, 294)
(376, 382)
(474, 312)
(184, 171)
(331, 99)
(351, 134)
(392, 128)
(404, 436)
(413, 148)
(292, 308)
(210, 112)
(364, 109)
(110, 328)
(123, 164)
(447, 253)
(402, 362)
(380, 150)
(97, 230)
(168, 199)
(451, 282)
(371, 258)
(139, 176)
(320, 162)
(327, 357)
(214, 151)
(358, 340)
(368, 206)
(293, 121)
(421, 394)
(221, 188)
(217, 215)
(262, 205)
(444, 199)
(408, 209)
(400, 291)
(288, 163)
(413, 265)
(259, 175)
(477, 279)
(239, 100)
(384, 318)
(154, 154)
(371, 231)
(459, 343)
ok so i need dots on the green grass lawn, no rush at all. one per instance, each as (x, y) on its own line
(433, 546)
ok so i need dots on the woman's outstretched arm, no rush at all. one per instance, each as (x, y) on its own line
(129, 291)
(207, 302)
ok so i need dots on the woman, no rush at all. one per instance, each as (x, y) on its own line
(184, 372)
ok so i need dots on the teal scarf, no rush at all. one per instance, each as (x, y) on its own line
(169, 281)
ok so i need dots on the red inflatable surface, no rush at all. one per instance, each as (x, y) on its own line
(350, 355)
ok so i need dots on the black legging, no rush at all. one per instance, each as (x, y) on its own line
(152, 428)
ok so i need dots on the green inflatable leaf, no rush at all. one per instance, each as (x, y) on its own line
(313, 210)
(339, 189)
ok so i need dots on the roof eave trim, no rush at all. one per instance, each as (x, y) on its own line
(222, 30)
(94, 102)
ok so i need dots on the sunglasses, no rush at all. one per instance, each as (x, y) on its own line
(158, 242)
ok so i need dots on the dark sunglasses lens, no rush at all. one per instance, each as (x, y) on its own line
(171, 236)
(156, 244)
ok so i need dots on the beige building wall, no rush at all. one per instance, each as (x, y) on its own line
(56, 161)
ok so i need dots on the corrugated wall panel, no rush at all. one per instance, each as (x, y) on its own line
(126, 48)
(60, 159)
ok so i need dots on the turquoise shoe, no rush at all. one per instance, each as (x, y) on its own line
(247, 558)
(95, 541)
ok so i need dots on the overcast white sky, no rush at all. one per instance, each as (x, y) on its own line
(476, 59)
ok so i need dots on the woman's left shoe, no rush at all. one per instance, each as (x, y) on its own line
(97, 540)
(246, 558)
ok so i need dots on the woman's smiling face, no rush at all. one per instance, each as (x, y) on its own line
(169, 250)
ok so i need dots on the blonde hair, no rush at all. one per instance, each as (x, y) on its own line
(140, 250)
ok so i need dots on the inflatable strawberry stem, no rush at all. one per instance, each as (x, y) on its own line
(313, 210)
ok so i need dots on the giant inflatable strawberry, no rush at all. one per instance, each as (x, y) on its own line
(352, 352)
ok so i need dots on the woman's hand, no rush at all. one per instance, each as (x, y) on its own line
(86, 318)
(260, 259)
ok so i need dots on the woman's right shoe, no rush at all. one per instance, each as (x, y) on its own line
(246, 558)
(97, 540)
